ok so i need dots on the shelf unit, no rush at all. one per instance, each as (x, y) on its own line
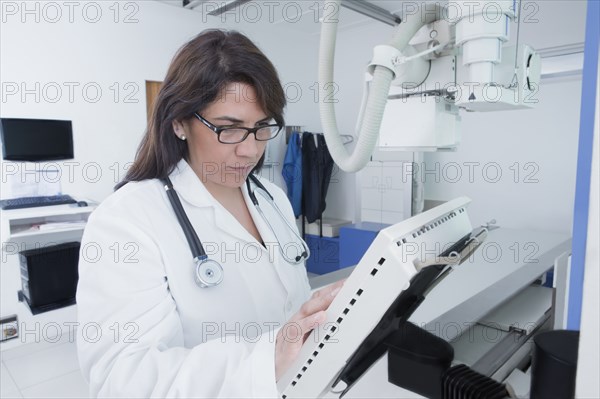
(18, 224)
(60, 223)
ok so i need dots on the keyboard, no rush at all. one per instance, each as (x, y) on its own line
(31, 202)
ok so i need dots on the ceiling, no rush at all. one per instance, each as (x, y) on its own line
(300, 15)
(538, 27)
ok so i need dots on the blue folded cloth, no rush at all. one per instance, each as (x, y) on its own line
(292, 172)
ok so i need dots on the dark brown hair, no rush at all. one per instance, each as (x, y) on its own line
(198, 74)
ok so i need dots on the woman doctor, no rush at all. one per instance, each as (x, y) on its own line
(148, 326)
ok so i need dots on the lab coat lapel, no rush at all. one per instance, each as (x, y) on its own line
(191, 189)
(262, 226)
(287, 279)
(189, 186)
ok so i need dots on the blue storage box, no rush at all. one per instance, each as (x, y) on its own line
(324, 254)
(355, 239)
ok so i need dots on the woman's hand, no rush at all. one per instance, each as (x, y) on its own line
(293, 334)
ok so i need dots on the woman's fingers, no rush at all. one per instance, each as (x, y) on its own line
(315, 305)
(329, 289)
(320, 301)
(294, 331)
(322, 297)
(293, 334)
(290, 339)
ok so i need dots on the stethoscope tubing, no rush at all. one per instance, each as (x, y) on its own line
(306, 252)
(198, 253)
(190, 234)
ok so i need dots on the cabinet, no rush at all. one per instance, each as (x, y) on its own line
(33, 228)
(355, 239)
(324, 254)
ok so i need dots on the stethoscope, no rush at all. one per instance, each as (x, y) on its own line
(209, 272)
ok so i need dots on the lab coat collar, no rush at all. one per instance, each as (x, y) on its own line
(190, 187)
(265, 231)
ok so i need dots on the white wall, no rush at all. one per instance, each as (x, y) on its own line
(534, 150)
(518, 167)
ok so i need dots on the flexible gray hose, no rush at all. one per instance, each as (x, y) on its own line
(380, 86)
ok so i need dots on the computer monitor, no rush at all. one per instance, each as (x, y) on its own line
(36, 140)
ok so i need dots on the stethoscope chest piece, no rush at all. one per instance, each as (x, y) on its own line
(209, 273)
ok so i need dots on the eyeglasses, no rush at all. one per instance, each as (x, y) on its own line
(234, 135)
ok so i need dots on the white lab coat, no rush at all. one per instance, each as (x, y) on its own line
(147, 330)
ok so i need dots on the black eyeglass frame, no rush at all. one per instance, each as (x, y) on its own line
(219, 129)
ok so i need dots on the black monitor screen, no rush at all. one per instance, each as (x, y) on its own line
(36, 140)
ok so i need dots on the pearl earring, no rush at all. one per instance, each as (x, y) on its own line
(182, 137)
